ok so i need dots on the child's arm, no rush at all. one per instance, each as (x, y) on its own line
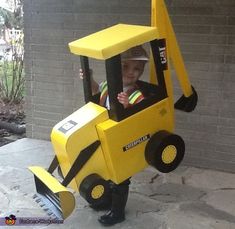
(94, 84)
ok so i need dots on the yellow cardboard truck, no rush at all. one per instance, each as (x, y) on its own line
(95, 145)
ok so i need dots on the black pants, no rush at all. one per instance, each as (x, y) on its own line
(116, 187)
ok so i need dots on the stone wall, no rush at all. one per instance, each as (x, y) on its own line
(206, 34)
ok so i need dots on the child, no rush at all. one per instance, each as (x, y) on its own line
(133, 62)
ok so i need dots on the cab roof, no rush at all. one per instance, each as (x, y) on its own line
(113, 40)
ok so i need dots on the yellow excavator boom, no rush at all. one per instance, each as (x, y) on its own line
(160, 19)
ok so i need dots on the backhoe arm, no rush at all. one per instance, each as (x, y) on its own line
(160, 19)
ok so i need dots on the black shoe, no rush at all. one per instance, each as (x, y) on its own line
(119, 199)
(111, 218)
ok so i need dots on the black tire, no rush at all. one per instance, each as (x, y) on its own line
(96, 191)
(165, 151)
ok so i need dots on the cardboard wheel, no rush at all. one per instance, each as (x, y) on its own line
(165, 151)
(95, 190)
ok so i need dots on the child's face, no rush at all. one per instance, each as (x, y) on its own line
(131, 71)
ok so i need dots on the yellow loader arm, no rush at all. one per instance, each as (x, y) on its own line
(160, 19)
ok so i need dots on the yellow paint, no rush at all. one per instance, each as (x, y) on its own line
(112, 41)
(97, 191)
(169, 154)
(161, 20)
(115, 135)
(68, 146)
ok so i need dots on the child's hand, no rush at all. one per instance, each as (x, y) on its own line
(81, 73)
(123, 99)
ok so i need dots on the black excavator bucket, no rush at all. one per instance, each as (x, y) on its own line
(187, 104)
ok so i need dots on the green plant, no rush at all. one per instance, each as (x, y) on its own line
(12, 75)
(11, 65)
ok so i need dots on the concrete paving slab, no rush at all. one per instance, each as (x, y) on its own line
(188, 198)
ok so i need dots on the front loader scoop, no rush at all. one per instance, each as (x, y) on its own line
(52, 196)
